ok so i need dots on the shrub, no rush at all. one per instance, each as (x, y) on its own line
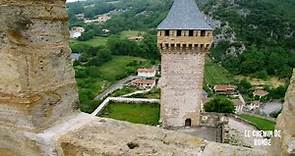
(220, 105)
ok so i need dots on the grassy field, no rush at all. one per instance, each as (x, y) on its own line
(153, 94)
(272, 81)
(148, 114)
(129, 33)
(216, 74)
(95, 42)
(99, 78)
(98, 41)
(260, 123)
(121, 66)
(124, 91)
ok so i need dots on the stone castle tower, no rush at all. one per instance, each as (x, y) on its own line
(184, 39)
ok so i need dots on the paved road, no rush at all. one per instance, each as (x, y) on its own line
(137, 92)
(114, 87)
(242, 99)
(271, 107)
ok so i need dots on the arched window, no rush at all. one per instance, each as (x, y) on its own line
(188, 122)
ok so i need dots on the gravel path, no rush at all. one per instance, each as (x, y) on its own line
(114, 87)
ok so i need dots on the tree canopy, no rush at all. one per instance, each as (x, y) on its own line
(220, 105)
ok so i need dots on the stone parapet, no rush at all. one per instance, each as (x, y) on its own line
(37, 82)
(285, 145)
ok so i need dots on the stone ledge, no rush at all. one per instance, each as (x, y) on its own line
(110, 137)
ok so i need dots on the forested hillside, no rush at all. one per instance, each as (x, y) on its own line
(264, 27)
(258, 34)
(253, 39)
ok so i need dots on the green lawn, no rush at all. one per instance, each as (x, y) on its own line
(99, 41)
(148, 114)
(121, 66)
(216, 74)
(155, 93)
(97, 79)
(260, 123)
(124, 91)
(129, 33)
(95, 42)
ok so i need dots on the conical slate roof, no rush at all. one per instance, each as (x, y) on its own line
(184, 15)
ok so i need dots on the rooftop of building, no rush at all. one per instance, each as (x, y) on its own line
(260, 92)
(184, 15)
(142, 81)
(146, 70)
(225, 87)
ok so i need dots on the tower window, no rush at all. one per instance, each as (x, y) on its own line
(203, 32)
(196, 45)
(178, 33)
(160, 33)
(167, 32)
(191, 33)
(166, 45)
(172, 45)
(190, 46)
(202, 45)
(178, 45)
(184, 45)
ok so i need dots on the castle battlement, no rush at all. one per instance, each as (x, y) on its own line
(200, 40)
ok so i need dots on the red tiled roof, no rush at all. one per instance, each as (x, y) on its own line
(224, 88)
(260, 93)
(141, 81)
(145, 70)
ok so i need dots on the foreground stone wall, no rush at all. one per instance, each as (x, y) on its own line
(285, 146)
(116, 138)
(37, 84)
(110, 137)
(181, 88)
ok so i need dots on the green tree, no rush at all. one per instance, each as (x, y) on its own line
(278, 93)
(244, 87)
(220, 105)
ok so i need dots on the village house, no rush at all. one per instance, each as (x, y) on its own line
(75, 57)
(106, 30)
(76, 32)
(143, 84)
(80, 16)
(225, 89)
(260, 93)
(100, 19)
(146, 72)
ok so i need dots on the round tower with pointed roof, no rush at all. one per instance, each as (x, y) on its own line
(184, 38)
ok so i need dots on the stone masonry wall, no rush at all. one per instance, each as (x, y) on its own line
(181, 88)
(285, 146)
(37, 84)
